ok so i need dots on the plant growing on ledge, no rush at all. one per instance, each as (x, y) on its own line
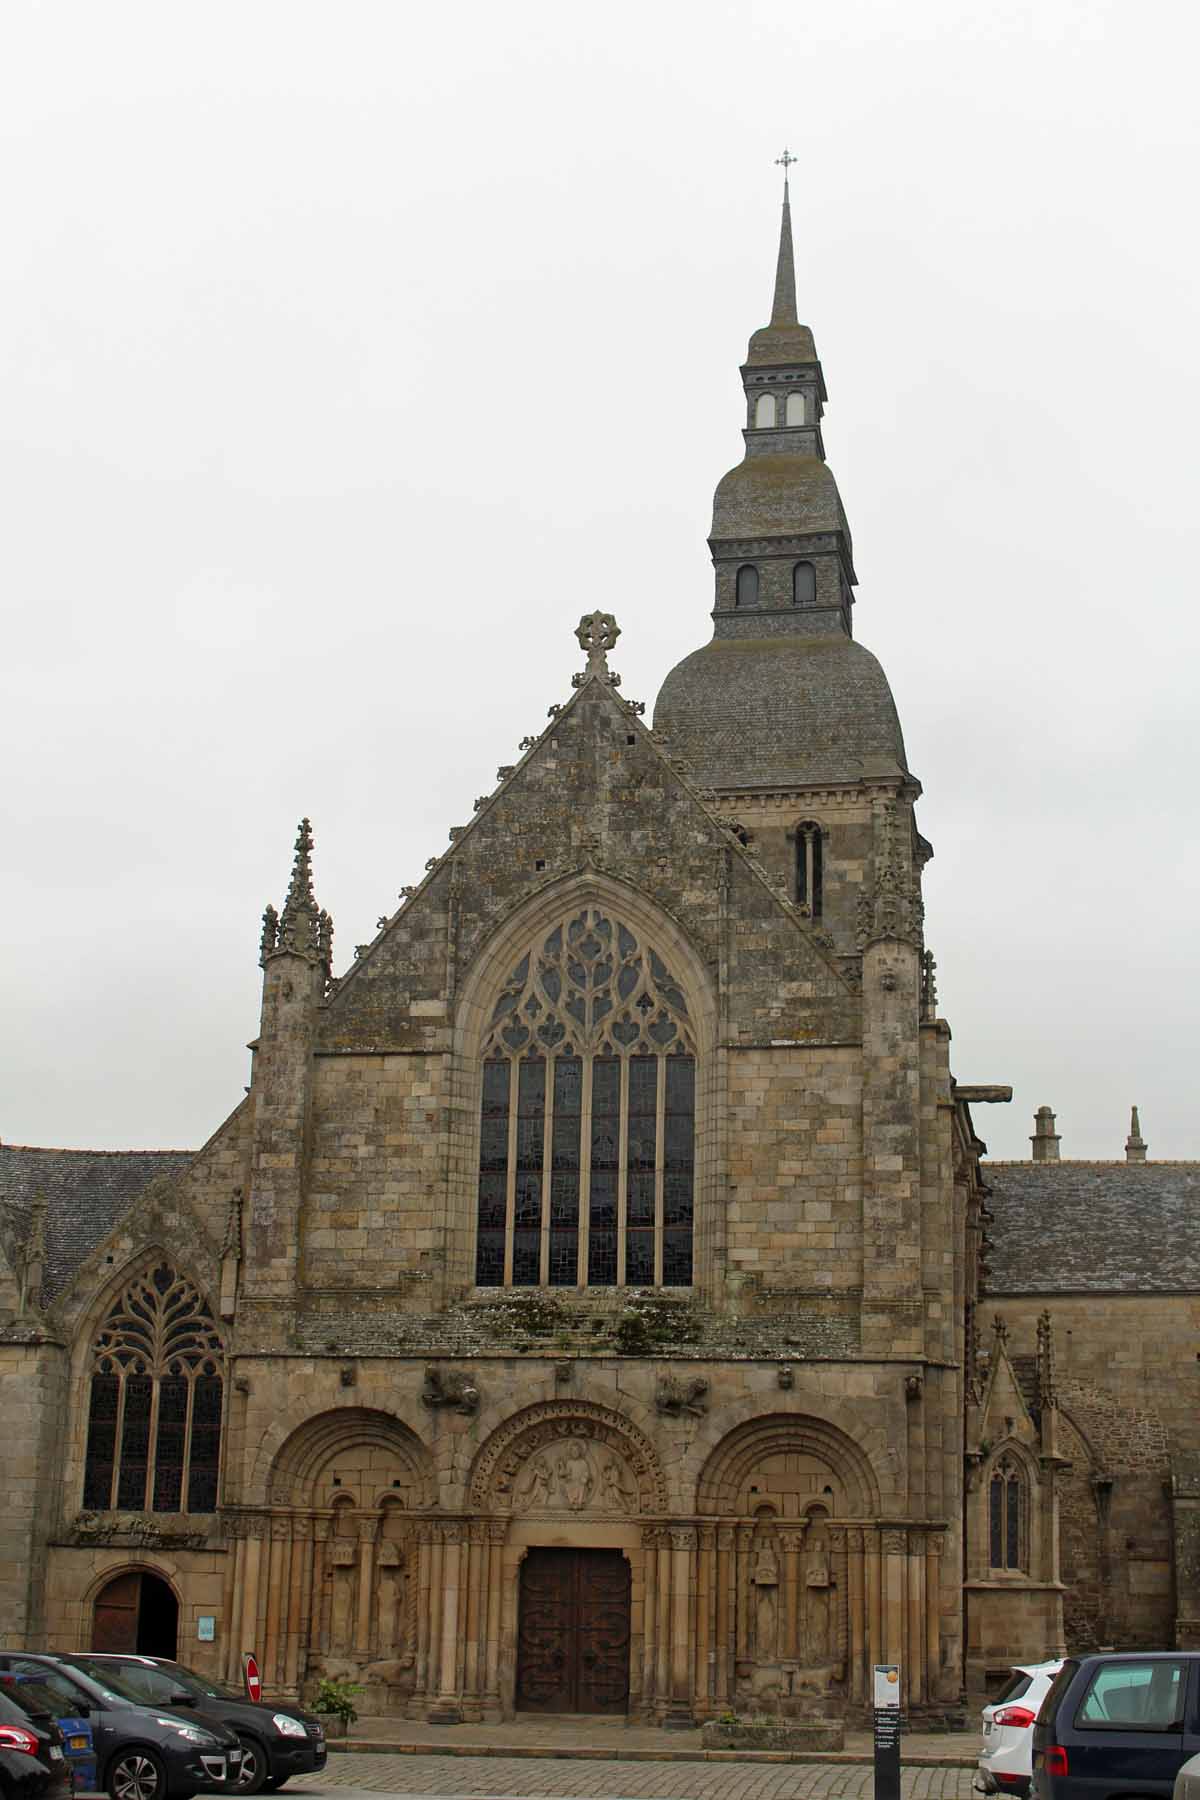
(335, 1699)
(652, 1321)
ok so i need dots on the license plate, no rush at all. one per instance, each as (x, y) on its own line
(235, 1756)
(77, 1743)
(55, 1753)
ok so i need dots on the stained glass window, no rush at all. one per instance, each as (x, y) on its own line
(154, 1418)
(1006, 1516)
(587, 1123)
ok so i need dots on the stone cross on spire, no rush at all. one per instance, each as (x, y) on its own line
(597, 633)
(783, 311)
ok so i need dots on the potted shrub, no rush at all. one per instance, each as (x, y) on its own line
(335, 1704)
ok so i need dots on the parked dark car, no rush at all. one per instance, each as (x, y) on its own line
(142, 1752)
(277, 1740)
(1119, 1725)
(32, 1695)
(32, 1764)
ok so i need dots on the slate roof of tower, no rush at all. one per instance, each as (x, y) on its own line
(86, 1192)
(1093, 1227)
(744, 712)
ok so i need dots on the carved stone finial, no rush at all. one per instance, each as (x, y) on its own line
(1047, 1380)
(929, 993)
(597, 633)
(1135, 1143)
(302, 928)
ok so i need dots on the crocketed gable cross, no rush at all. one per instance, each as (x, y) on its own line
(597, 633)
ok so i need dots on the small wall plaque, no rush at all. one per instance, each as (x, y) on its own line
(206, 1628)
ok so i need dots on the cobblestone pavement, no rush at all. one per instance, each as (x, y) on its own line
(353, 1776)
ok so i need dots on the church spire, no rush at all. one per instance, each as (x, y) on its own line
(783, 309)
(302, 928)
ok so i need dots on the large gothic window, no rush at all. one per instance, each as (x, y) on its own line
(154, 1420)
(586, 1160)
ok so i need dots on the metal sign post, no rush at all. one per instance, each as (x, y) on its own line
(886, 1700)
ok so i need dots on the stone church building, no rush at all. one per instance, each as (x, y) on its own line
(581, 1311)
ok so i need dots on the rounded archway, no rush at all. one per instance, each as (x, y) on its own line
(136, 1612)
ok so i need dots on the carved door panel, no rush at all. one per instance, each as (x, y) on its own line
(115, 1621)
(573, 1637)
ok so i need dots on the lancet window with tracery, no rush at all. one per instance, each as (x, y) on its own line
(586, 1164)
(154, 1417)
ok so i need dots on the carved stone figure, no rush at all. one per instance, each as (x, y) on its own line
(673, 1397)
(575, 1479)
(450, 1388)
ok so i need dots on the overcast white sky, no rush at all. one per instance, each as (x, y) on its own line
(350, 353)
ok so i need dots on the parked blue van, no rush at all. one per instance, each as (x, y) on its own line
(1117, 1725)
(32, 1695)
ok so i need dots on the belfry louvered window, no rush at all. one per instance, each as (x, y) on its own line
(587, 1134)
(154, 1418)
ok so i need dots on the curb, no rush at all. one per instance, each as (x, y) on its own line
(611, 1753)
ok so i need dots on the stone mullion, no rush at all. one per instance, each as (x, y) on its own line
(585, 1171)
(660, 1152)
(510, 1180)
(623, 1170)
(547, 1167)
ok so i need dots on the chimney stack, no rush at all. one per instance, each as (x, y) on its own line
(1045, 1138)
(1135, 1143)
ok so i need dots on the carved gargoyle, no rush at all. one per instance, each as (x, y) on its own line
(450, 1388)
(673, 1398)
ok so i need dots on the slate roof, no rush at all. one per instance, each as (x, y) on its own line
(86, 1192)
(1093, 1227)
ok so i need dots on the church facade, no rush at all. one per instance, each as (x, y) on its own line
(580, 1311)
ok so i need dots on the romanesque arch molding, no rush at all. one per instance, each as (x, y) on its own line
(794, 1461)
(567, 1457)
(373, 1456)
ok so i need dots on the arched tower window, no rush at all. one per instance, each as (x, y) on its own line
(747, 586)
(586, 1159)
(764, 412)
(795, 408)
(808, 868)
(1008, 1511)
(804, 584)
(154, 1419)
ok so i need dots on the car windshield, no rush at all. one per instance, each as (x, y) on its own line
(1017, 1685)
(30, 1695)
(153, 1682)
(107, 1683)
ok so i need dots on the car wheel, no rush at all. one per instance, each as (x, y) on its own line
(136, 1774)
(255, 1772)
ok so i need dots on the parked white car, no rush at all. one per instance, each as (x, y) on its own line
(1187, 1782)
(1006, 1754)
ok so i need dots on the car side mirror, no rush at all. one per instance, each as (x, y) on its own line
(82, 1709)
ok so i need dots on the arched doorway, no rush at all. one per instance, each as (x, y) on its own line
(136, 1612)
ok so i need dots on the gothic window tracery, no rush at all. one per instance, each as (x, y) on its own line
(156, 1400)
(1007, 1516)
(586, 1163)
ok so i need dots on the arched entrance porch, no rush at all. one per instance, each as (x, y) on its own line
(136, 1612)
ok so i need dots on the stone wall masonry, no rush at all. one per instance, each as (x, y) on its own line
(32, 1394)
(586, 793)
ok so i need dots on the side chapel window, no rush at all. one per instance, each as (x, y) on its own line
(1006, 1516)
(154, 1421)
(586, 1161)
(808, 868)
